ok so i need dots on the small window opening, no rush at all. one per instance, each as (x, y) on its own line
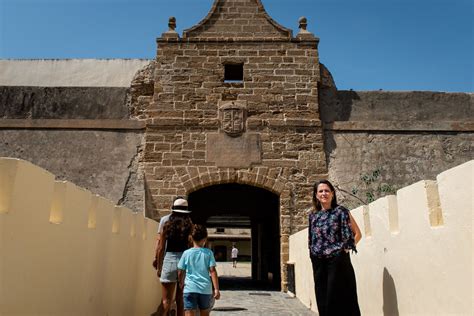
(233, 72)
(220, 230)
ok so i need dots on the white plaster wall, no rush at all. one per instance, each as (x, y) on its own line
(299, 255)
(65, 251)
(415, 257)
(69, 72)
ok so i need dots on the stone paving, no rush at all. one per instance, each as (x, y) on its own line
(238, 298)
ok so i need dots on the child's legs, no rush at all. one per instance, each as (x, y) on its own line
(204, 312)
(179, 301)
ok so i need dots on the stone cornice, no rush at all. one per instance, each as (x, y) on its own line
(400, 126)
(313, 40)
(71, 124)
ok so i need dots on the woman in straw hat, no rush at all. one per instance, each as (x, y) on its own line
(173, 240)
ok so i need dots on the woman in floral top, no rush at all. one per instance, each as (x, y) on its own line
(333, 232)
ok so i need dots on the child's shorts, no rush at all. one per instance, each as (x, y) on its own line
(197, 300)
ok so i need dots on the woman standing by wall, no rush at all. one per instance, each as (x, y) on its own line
(333, 232)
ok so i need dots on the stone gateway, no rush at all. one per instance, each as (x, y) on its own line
(235, 101)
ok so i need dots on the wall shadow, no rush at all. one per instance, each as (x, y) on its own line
(334, 105)
(151, 210)
(234, 283)
(390, 302)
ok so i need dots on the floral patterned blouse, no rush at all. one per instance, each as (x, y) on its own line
(330, 232)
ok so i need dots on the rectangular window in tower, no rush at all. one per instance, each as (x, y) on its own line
(233, 72)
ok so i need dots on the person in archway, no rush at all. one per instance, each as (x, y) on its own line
(234, 253)
(172, 241)
(333, 233)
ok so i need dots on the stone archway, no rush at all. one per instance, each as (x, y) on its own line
(245, 206)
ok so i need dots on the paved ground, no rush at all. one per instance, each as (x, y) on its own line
(240, 297)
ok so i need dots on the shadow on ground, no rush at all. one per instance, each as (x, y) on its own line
(233, 283)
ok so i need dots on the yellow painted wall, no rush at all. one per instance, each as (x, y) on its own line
(65, 251)
(415, 257)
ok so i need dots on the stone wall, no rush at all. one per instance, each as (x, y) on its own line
(101, 161)
(25, 102)
(427, 106)
(281, 146)
(82, 134)
(377, 142)
(280, 93)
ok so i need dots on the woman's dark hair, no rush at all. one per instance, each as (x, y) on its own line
(316, 203)
(199, 232)
(178, 226)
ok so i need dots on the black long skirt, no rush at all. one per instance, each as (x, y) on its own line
(335, 286)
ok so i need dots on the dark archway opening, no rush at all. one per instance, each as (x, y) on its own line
(250, 208)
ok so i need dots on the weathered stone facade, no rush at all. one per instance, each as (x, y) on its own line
(279, 141)
(81, 134)
(377, 142)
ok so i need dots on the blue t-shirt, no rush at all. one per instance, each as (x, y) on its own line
(197, 262)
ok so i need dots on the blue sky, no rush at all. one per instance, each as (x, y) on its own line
(366, 44)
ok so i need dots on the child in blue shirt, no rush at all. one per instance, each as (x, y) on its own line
(197, 267)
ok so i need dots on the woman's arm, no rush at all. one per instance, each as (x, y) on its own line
(355, 229)
(160, 252)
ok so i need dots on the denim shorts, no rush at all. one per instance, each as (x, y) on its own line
(169, 270)
(197, 300)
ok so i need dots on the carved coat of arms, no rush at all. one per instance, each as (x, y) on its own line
(232, 116)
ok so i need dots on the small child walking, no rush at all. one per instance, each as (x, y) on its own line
(197, 268)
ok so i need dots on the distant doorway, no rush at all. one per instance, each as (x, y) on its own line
(220, 252)
(239, 208)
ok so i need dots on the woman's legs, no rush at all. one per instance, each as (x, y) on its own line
(320, 275)
(168, 277)
(351, 288)
(341, 287)
(167, 296)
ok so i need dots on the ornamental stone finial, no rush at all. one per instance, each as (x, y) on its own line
(171, 33)
(304, 34)
(303, 23)
(172, 24)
